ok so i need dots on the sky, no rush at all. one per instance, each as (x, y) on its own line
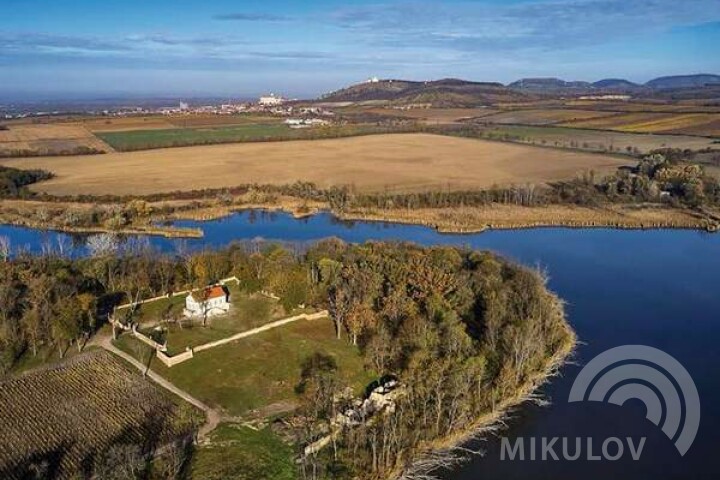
(240, 49)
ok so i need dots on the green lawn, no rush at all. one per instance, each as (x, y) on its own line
(252, 132)
(248, 312)
(263, 369)
(152, 312)
(237, 452)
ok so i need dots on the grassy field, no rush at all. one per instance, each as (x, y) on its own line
(407, 162)
(596, 140)
(248, 312)
(66, 413)
(24, 139)
(176, 137)
(261, 370)
(241, 453)
(146, 139)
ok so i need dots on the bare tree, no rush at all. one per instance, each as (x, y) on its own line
(102, 244)
(4, 248)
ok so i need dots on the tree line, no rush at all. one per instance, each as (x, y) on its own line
(13, 181)
(462, 330)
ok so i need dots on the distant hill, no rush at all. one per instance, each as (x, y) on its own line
(556, 86)
(448, 92)
(451, 92)
(684, 81)
(615, 84)
(543, 85)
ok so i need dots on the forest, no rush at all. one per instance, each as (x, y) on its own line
(464, 332)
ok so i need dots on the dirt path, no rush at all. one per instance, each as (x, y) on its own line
(212, 416)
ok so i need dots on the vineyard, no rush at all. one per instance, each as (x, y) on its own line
(59, 421)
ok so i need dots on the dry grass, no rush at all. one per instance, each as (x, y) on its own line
(400, 162)
(47, 139)
(496, 216)
(113, 124)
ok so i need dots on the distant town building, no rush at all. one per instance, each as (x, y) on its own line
(207, 302)
(184, 106)
(271, 100)
(373, 80)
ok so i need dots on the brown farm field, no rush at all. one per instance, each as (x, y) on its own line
(615, 106)
(431, 115)
(703, 124)
(593, 139)
(162, 122)
(50, 139)
(393, 162)
(66, 416)
(546, 116)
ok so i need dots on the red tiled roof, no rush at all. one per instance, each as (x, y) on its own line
(214, 291)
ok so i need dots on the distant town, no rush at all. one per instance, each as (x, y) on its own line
(270, 104)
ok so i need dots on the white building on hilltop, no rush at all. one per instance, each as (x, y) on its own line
(207, 302)
(271, 100)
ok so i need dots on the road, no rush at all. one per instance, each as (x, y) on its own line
(212, 416)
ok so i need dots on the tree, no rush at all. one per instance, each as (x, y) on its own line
(4, 248)
(67, 323)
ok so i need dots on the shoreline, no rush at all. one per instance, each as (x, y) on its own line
(491, 421)
(171, 232)
(449, 220)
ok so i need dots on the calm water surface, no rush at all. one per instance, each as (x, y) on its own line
(658, 288)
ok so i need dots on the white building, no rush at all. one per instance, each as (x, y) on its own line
(208, 302)
(305, 122)
(271, 100)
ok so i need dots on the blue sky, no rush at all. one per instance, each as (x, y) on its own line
(304, 48)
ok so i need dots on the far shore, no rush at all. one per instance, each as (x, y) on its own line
(465, 220)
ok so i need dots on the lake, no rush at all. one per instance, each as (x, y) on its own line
(659, 288)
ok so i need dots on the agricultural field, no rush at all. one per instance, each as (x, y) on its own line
(594, 140)
(392, 162)
(702, 124)
(247, 312)
(660, 107)
(164, 122)
(260, 371)
(147, 139)
(432, 116)
(64, 417)
(52, 139)
(131, 140)
(547, 116)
